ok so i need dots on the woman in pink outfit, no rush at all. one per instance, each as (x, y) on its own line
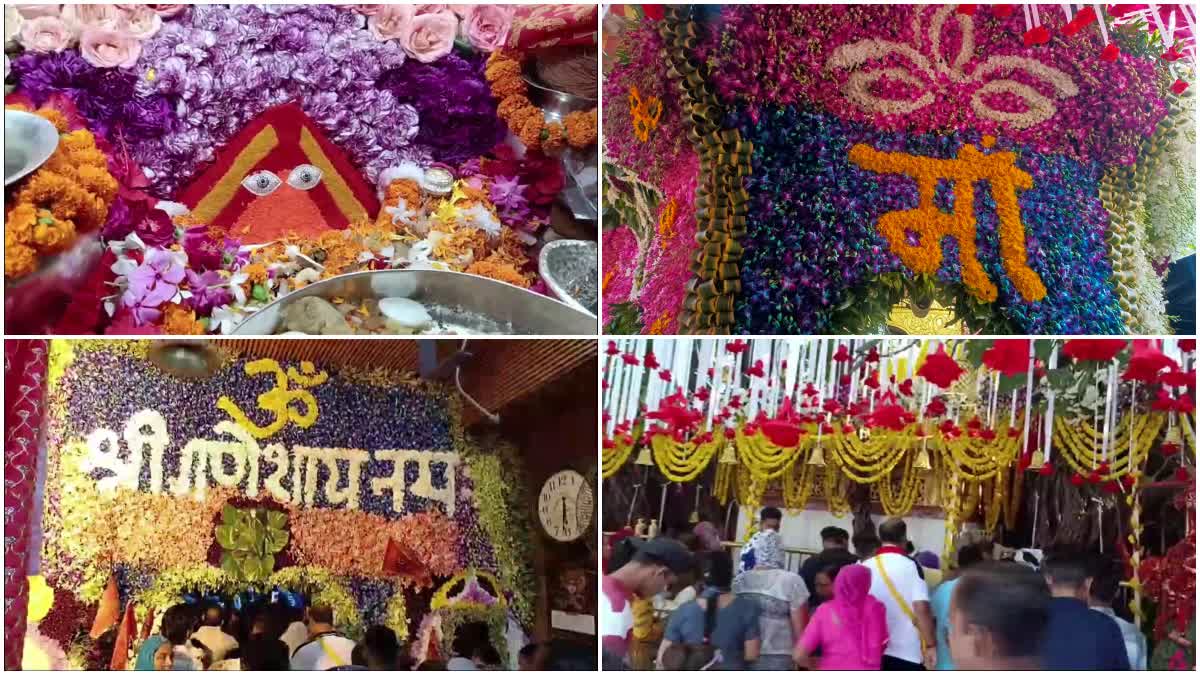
(850, 630)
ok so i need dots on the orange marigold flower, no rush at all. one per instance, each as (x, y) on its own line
(19, 224)
(51, 235)
(499, 272)
(19, 260)
(581, 128)
(177, 320)
(498, 70)
(256, 273)
(56, 118)
(554, 137)
(77, 141)
(510, 85)
(511, 105)
(530, 131)
(98, 181)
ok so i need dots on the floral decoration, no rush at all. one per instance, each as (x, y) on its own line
(332, 554)
(828, 247)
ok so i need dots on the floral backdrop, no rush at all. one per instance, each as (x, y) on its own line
(838, 142)
(147, 98)
(451, 517)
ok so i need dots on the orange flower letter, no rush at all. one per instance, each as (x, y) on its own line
(931, 224)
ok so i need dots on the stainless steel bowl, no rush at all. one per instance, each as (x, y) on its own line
(556, 104)
(29, 141)
(477, 303)
(568, 266)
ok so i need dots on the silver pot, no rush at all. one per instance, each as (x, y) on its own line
(480, 304)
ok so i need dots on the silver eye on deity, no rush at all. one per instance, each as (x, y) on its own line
(262, 183)
(304, 177)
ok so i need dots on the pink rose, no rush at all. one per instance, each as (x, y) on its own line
(45, 34)
(390, 21)
(143, 22)
(487, 26)
(100, 16)
(167, 11)
(366, 10)
(106, 48)
(460, 10)
(34, 11)
(430, 36)
(431, 9)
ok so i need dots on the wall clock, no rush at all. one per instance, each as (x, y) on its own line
(565, 506)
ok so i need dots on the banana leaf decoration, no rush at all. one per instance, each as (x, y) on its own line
(250, 539)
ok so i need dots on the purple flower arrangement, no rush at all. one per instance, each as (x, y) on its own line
(221, 67)
(781, 55)
(454, 103)
(814, 236)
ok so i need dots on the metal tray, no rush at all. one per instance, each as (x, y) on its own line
(480, 304)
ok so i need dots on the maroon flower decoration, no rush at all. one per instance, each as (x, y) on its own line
(1147, 362)
(940, 368)
(1008, 357)
(1084, 349)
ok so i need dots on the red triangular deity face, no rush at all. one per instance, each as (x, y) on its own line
(280, 175)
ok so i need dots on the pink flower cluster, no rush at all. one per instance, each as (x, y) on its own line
(109, 36)
(766, 56)
(427, 32)
(620, 248)
(668, 263)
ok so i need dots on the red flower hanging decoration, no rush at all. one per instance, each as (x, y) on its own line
(702, 394)
(936, 407)
(1077, 480)
(810, 390)
(1008, 357)
(664, 375)
(1147, 362)
(940, 368)
(1084, 349)
(1082, 19)
(1188, 345)
(1179, 86)
(1047, 469)
(756, 370)
(612, 348)
(651, 361)
(873, 380)
(1110, 53)
(737, 346)
(1038, 35)
(629, 359)
(842, 355)
(906, 387)
(889, 416)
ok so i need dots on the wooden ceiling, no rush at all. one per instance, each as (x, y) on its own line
(500, 373)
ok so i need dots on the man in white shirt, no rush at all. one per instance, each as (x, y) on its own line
(895, 581)
(1101, 596)
(325, 649)
(211, 636)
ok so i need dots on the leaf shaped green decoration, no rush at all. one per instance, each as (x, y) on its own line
(277, 520)
(251, 538)
(231, 565)
(276, 541)
(226, 536)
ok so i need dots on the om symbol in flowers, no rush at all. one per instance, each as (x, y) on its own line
(279, 399)
(930, 224)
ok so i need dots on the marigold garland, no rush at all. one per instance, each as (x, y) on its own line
(1074, 438)
(69, 195)
(682, 462)
(527, 121)
(612, 459)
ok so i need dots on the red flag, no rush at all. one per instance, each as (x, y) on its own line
(400, 560)
(120, 655)
(147, 625)
(110, 609)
